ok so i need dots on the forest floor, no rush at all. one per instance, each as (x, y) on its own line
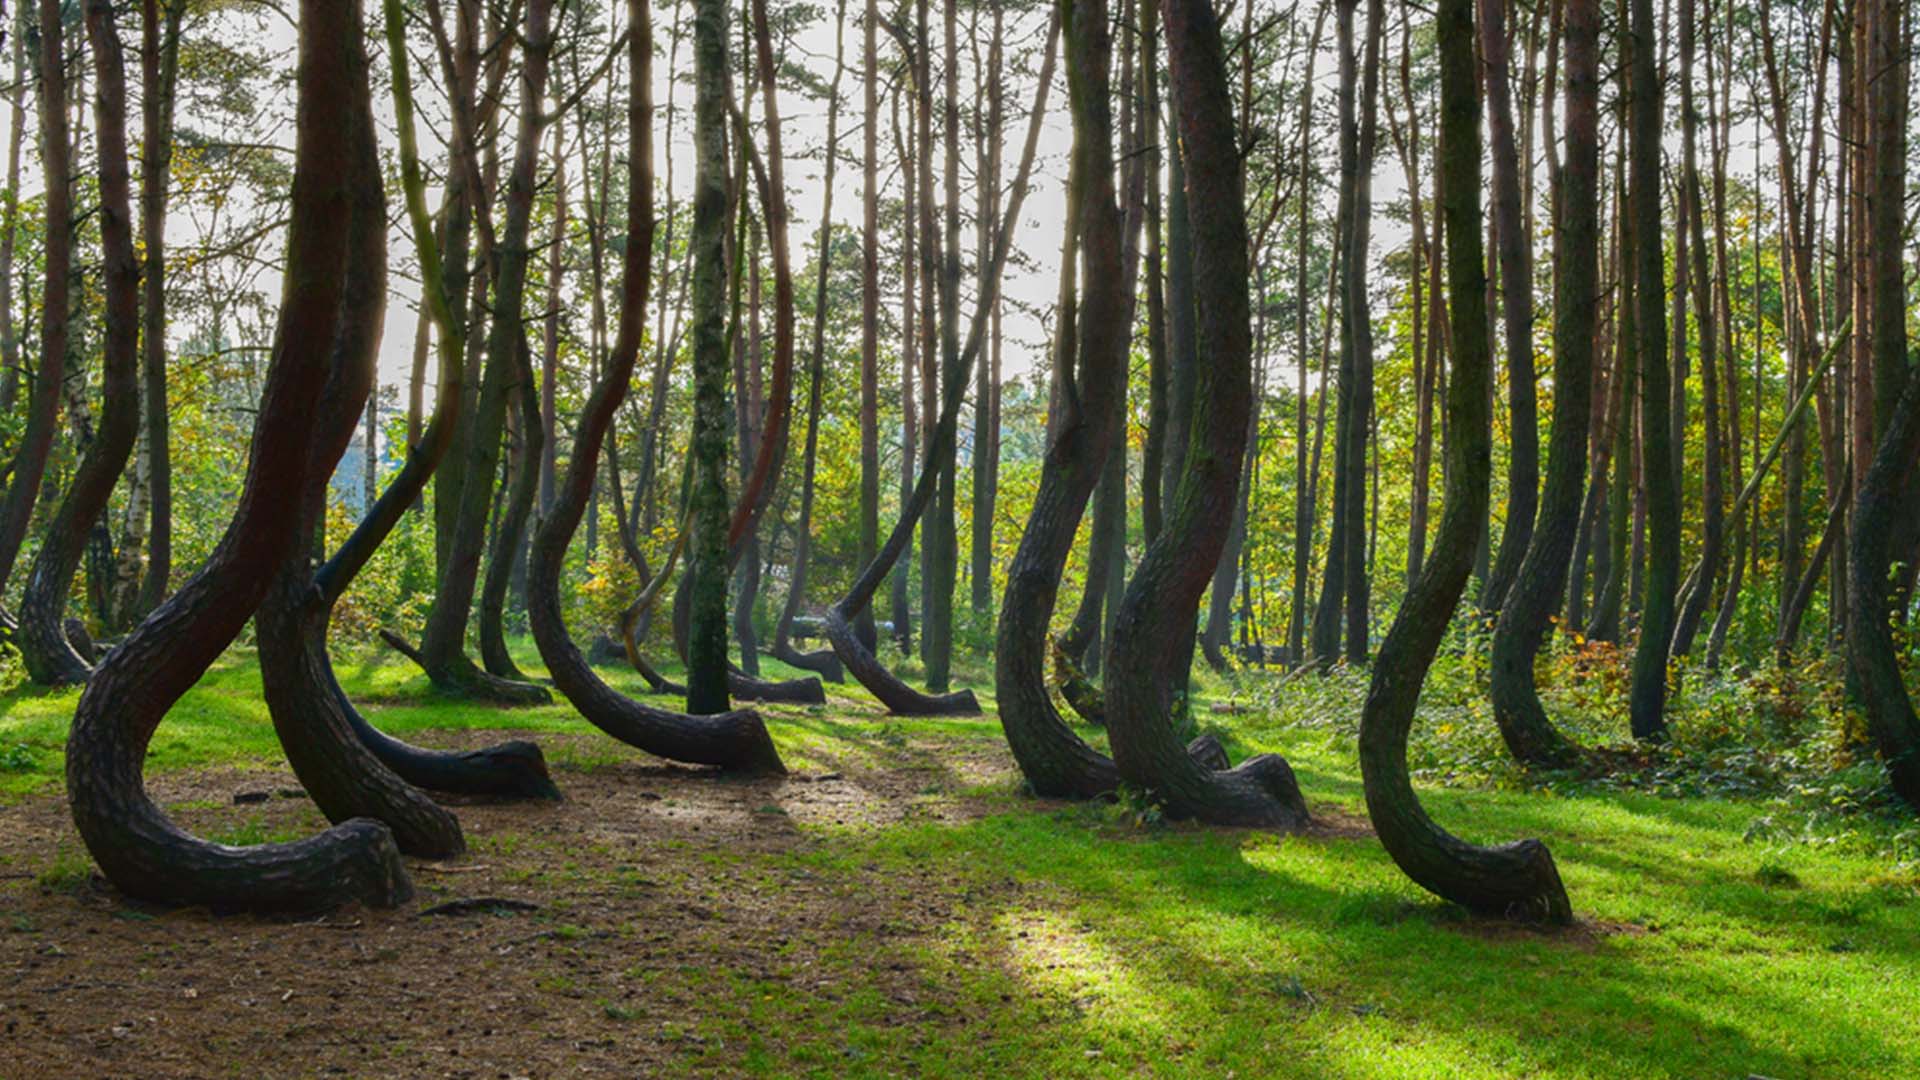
(896, 906)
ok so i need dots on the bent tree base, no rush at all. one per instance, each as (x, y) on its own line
(464, 679)
(892, 691)
(139, 849)
(515, 769)
(822, 662)
(1518, 880)
(737, 741)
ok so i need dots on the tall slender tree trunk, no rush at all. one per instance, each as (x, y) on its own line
(1649, 695)
(986, 403)
(1713, 520)
(10, 227)
(42, 637)
(825, 663)
(1516, 308)
(43, 405)
(1164, 594)
(708, 572)
(870, 313)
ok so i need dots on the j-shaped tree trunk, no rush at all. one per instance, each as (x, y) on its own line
(42, 634)
(860, 660)
(1083, 431)
(1517, 880)
(442, 651)
(137, 846)
(732, 740)
(1163, 598)
(1527, 615)
(344, 777)
(820, 661)
(515, 768)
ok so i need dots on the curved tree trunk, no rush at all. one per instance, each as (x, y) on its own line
(42, 635)
(860, 660)
(342, 775)
(1527, 615)
(515, 768)
(29, 466)
(1083, 431)
(139, 849)
(1516, 880)
(1163, 598)
(442, 651)
(733, 740)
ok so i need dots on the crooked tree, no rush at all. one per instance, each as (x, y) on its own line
(141, 851)
(1517, 880)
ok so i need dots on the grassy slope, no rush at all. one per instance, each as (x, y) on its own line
(1239, 953)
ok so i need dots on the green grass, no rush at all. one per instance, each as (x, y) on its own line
(1092, 946)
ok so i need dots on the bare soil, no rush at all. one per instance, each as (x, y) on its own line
(643, 920)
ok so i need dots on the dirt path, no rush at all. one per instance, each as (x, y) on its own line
(667, 907)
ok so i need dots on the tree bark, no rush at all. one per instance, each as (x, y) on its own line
(1649, 695)
(159, 66)
(138, 848)
(529, 439)
(442, 651)
(1526, 616)
(343, 776)
(707, 571)
(986, 404)
(823, 662)
(29, 464)
(1082, 431)
(1516, 310)
(860, 661)
(732, 740)
(1518, 880)
(870, 314)
(1694, 599)
(42, 637)
(1164, 595)
(10, 228)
